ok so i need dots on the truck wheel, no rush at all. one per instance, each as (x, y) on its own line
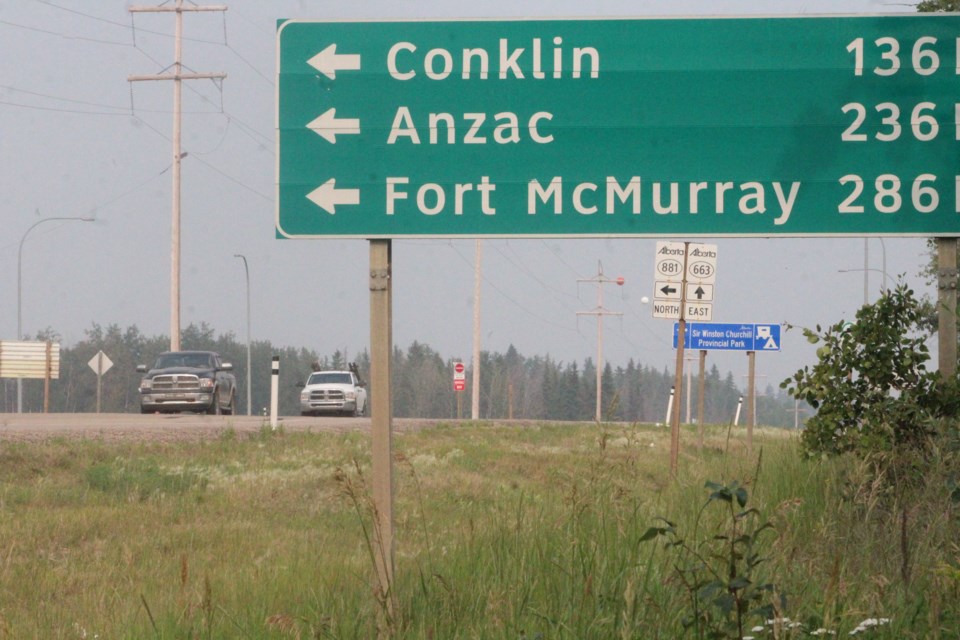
(232, 409)
(214, 408)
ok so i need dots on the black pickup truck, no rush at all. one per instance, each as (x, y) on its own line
(188, 381)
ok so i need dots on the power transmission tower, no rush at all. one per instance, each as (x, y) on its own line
(599, 312)
(177, 76)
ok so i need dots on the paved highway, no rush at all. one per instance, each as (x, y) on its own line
(166, 427)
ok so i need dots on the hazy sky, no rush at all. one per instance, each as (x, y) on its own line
(77, 139)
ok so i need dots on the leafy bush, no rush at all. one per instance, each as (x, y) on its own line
(871, 387)
(719, 569)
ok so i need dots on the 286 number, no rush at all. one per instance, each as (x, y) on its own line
(887, 197)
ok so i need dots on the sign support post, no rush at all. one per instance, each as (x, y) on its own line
(100, 364)
(48, 373)
(751, 398)
(678, 382)
(381, 418)
(702, 393)
(946, 309)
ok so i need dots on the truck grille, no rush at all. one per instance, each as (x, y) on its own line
(326, 394)
(178, 382)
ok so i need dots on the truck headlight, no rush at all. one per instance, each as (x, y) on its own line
(146, 384)
(304, 395)
(207, 383)
(350, 395)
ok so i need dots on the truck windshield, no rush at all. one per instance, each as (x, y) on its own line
(329, 377)
(170, 360)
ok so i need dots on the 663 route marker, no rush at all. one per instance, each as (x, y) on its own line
(684, 262)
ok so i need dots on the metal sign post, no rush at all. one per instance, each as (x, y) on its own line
(678, 383)
(381, 416)
(100, 364)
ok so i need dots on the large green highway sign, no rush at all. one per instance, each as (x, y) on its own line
(778, 126)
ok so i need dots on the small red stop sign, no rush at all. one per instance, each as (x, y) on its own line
(458, 367)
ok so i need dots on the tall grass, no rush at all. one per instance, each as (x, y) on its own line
(501, 532)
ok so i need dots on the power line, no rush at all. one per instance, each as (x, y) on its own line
(510, 299)
(529, 273)
(62, 35)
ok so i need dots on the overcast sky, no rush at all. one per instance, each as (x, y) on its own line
(78, 139)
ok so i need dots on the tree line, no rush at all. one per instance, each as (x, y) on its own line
(512, 385)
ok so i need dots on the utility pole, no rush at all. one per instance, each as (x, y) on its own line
(177, 76)
(796, 411)
(475, 382)
(599, 312)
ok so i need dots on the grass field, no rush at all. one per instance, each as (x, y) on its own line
(502, 532)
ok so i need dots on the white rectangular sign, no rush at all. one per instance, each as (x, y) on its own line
(676, 261)
(29, 359)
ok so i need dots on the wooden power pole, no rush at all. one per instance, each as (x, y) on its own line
(177, 76)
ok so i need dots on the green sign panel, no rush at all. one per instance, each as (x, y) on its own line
(796, 126)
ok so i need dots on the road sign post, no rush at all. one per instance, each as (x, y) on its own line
(750, 338)
(100, 364)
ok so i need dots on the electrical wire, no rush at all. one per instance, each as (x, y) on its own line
(509, 298)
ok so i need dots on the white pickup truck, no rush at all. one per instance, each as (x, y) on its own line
(341, 392)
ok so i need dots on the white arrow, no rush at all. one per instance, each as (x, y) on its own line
(328, 62)
(329, 126)
(327, 196)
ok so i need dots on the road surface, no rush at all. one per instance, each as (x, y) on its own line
(168, 427)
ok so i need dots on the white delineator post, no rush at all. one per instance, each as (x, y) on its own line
(274, 391)
(673, 390)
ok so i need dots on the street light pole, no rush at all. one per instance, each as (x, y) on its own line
(246, 270)
(886, 276)
(20, 289)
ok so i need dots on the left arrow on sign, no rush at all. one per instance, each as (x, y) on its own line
(327, 196)
(328, 62)
(329, 126)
